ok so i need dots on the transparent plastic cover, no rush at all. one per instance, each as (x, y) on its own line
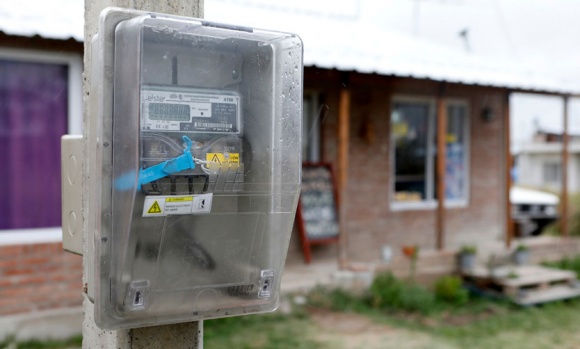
(200, 170)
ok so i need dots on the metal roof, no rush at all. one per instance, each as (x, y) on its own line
(54, 19)
(342, 38)
(333, 38)
(391, 53)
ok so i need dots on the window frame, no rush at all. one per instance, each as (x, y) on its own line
(311, 122)
(432, 203)
(556, 167)
(463, 202)
(74, 62)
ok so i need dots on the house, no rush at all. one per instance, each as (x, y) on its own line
(539, 162)
(40, 100)
(378, 105)
(372, 100)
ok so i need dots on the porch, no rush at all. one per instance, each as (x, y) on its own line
(300, 277)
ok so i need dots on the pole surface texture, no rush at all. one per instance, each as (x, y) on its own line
(178, 336)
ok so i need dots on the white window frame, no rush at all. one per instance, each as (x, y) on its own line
(431, 204)
(74, 126)
(557, 180)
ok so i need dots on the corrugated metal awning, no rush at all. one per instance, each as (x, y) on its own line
(390, 53)
(54, 19)
(331, 41)
(334, 39)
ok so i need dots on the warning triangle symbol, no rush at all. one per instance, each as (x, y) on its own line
(216, 159)
(154, 208)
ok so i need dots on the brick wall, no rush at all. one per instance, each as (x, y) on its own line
(38, 277)
(370, 221)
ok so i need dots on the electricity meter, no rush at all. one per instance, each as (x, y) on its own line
(195, 165)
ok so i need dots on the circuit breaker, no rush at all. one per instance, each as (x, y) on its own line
(196, 134)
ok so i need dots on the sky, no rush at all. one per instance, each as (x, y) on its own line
(540, 33)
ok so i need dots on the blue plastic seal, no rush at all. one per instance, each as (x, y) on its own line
(147, 175)
(164, 169)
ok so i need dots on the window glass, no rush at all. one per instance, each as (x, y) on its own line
(552, 172)
(409, 131)
(413, 132)
(455, 167)
(33, 117)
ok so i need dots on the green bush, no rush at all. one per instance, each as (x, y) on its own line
(387, 292)
(335, 299)
(468, 249)
(573, 221)
(417, 298)
(450, 289)
(568, 263)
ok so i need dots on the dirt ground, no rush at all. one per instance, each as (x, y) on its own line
(353, 331)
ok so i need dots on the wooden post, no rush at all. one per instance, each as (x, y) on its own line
(343, 145)
(441, 160)
(175, 336)
(509, 226)
(565, 157)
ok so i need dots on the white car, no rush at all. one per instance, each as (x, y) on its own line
(532, 210)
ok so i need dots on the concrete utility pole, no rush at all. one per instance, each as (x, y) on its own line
(179, 336)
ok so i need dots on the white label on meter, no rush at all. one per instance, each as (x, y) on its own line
(189, 110)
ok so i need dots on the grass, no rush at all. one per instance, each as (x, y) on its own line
(269, 331)
(480, 323)
(477, 322)
(72, 343)
(573, 220)
(568, 263)
(446, 321)
(548, 326)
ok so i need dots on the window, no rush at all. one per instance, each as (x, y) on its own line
(40, 100)
(414, 151)
(552, 173)
(456, 156)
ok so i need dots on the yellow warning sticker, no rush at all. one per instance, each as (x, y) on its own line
(223, 158)
(179, 199)
(155, 208)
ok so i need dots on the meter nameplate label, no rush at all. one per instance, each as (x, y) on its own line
(190, 110)
(159, 206)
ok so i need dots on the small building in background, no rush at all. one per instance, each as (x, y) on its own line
(539, 162)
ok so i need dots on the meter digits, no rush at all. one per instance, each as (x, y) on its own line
(190, 110)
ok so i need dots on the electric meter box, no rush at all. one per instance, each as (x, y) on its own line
(197, 141)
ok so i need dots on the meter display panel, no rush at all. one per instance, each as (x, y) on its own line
(189, 110)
